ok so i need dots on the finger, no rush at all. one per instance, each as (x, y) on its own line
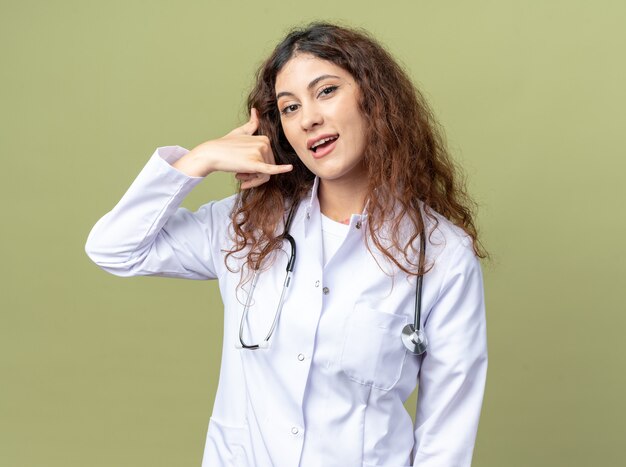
(260, 179)
(269, 155)
(244, 176)
(272, 169)
(251, 126)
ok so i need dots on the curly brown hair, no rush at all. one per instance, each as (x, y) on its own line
(406, 155)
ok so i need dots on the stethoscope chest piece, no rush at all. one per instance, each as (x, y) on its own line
(414, 340)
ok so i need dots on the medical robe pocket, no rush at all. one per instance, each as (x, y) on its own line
(229, 444)
(372, 352)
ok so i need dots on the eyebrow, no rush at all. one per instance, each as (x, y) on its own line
(309, 86)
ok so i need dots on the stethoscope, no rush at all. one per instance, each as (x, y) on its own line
(413, 335)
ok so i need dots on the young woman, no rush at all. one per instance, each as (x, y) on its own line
(347, 263)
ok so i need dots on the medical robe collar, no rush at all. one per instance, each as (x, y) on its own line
(313, 209)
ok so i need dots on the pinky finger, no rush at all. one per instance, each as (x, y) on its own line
(244, 176)
(258, 180)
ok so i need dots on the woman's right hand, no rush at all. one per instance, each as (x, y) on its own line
(242, 152)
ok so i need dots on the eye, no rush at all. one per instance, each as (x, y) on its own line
(327, 90)
(289, 109)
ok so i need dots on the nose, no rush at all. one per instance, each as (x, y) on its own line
(310, 117)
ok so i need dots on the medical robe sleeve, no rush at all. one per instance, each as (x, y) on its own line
(147, 233)
(453, 371)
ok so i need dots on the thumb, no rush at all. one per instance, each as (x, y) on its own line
(251, 125)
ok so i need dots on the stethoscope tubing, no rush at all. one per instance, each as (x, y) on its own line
(412, 335)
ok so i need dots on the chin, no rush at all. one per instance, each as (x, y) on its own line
(327, 173)
(333, 173)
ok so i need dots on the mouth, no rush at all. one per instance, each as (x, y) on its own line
(321, 144)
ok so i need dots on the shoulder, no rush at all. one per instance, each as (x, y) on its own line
(442, 230)
(447, 241)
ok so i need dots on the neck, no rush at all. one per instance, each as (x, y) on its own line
(339, 199)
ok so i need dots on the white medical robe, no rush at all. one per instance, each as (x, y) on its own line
(330, 388)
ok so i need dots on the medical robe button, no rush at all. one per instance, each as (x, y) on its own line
(300, 357)
(294, 430)
(317, 283)
(325, 290)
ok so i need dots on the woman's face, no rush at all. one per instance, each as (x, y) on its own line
(320, 115)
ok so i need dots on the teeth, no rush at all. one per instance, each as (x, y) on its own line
(322, 141)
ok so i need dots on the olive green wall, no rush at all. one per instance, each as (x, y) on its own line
(96, 370)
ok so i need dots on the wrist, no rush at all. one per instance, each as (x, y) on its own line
(192, 166)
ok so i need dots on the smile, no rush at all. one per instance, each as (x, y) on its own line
(325, 148)
(322, 146)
